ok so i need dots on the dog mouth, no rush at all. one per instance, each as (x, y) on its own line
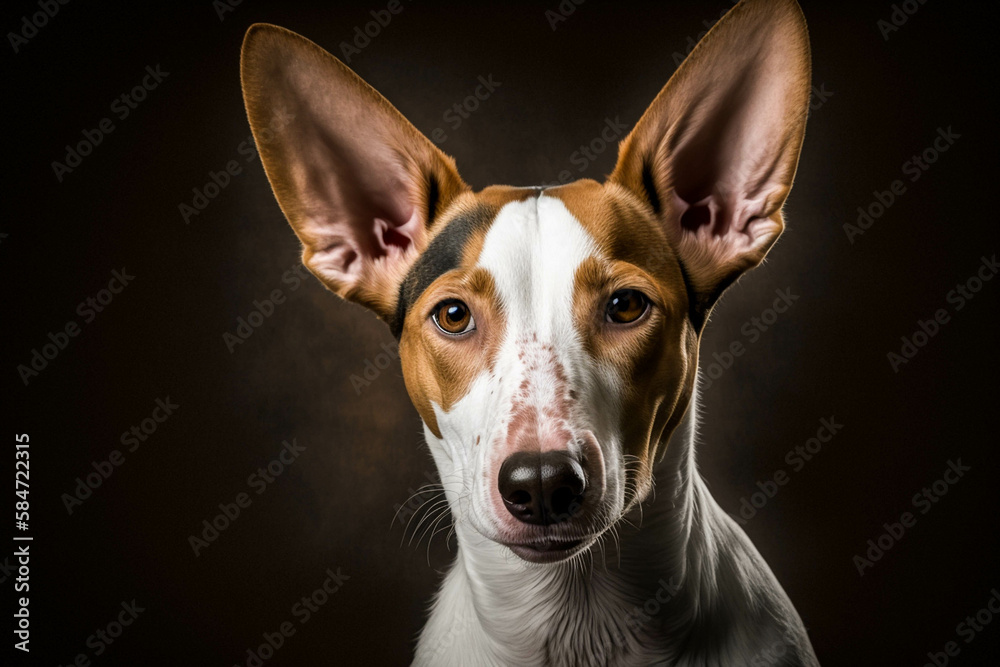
(547, 550)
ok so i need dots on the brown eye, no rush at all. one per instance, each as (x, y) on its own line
(453, 317)
(626, 305)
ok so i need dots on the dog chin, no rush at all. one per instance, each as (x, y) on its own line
(550, 551)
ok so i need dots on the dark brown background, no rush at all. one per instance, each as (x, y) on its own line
(334, 507)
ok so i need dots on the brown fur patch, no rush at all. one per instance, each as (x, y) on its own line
(438, 368)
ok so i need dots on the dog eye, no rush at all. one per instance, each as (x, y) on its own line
(453, 317)
(626, 306)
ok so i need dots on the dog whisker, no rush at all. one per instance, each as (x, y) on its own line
(433, 520)
(428, 513)
(444, 515)
(416, 512)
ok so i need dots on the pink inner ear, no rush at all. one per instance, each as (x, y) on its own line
(724, 231)
(394, 238)
(355, 173)
(355, 178)
(356, 195)
(726, 158)
(343, 256)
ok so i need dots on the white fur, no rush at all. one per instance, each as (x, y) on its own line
(705, 595)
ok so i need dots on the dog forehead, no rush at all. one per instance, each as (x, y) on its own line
(532, 250)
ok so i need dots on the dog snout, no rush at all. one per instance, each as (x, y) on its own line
(542, 488)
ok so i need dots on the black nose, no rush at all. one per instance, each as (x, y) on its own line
(542, 487)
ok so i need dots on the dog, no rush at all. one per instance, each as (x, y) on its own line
(549, 340)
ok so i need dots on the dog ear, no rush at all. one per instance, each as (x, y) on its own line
(716, 152)
(358, 183)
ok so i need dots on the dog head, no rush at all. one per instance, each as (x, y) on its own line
(548, 336)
